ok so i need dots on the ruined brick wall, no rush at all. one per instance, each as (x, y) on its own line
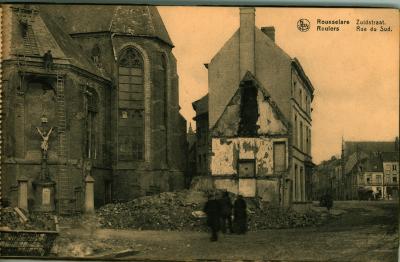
(267, 121)
(243, 152)
(229, 152)
(273, 69)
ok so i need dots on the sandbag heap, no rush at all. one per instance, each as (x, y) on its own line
(10, 219)
(175, 211)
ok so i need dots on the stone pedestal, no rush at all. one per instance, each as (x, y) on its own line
(89, 194)
(13, 199)
(23, 193)
(44, 195)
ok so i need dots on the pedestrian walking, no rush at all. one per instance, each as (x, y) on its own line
(328, 201)
(240, 215)
(226, 213)
(213, 210)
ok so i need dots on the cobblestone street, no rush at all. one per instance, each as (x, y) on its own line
(364, 231)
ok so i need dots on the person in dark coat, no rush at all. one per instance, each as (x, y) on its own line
(328, 201)
(226, 212)
(48, 60)
(240, 215)
(213, 210)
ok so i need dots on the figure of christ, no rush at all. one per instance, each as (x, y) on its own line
(45, 142)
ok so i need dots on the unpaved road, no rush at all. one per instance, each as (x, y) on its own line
(365, 231)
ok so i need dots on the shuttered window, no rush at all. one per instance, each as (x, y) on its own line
(246, 168)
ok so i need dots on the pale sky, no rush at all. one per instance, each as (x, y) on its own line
(355, 74)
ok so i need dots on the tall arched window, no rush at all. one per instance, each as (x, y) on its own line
(130, 106)
(91, 125)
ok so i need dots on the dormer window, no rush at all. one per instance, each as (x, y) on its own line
(96, 52)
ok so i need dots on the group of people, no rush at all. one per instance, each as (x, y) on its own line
(219, 215)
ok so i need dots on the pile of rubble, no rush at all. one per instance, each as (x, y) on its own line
(166, 211)
(19, 219)
(275, 217)
(182, 211)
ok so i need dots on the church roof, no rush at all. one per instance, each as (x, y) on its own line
(133, 20)
(65, 47)
(353, 160)
(45, 34)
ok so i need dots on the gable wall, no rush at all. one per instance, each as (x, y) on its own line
(223, 78)
(273, 71)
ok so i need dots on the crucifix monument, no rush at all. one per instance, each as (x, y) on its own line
(44, 187)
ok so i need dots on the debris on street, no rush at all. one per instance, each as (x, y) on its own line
(19, 219)
(183, 211)
(166, 211)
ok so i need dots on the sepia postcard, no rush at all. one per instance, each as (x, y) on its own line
(199, 133)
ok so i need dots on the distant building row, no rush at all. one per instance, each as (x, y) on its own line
(366, 170)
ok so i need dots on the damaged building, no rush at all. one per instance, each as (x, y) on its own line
(258, 117)
(99, 112)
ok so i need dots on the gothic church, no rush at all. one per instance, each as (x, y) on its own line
(105, 93)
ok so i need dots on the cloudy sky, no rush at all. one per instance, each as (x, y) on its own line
(355, 74)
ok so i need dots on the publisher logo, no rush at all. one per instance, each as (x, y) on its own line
(303, 25)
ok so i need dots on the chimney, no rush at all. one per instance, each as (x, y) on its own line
(246, 40)
(269, 31)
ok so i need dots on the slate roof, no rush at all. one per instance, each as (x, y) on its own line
(368, 146)
(296, 63)
(134, 20)
(66, 46)
(372, 164)
(390, 156)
